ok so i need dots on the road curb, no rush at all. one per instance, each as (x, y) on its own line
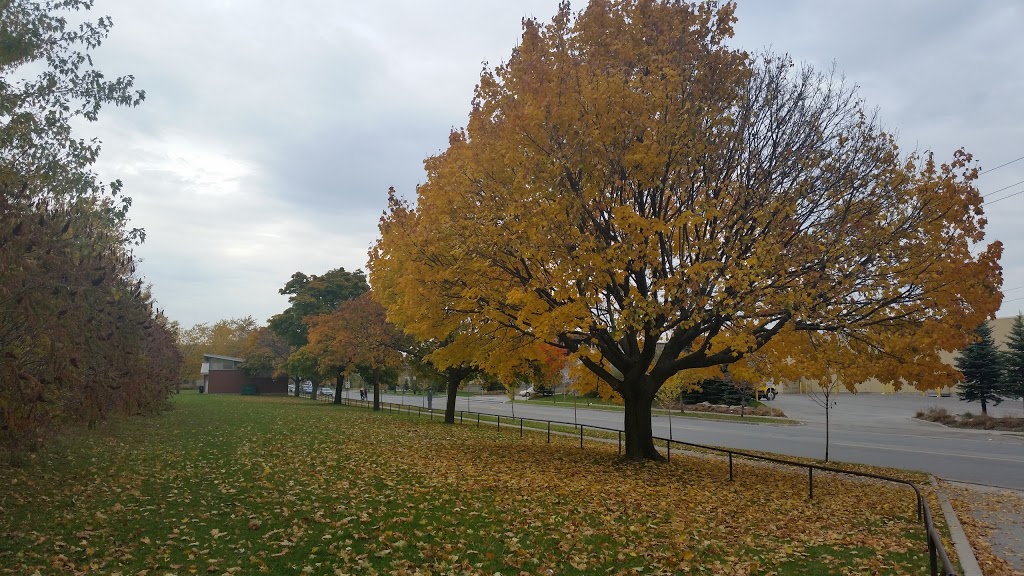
(964, 552)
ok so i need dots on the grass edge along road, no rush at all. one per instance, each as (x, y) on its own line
(239, 485)
(599, 404)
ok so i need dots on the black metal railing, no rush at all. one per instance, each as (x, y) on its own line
(937, 556)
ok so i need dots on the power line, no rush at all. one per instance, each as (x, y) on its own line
(1001, 165)
(1001, 189)
(1018, 193)
(1013, 299)
(1012, 289)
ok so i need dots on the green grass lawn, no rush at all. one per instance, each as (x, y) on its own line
(249, 485)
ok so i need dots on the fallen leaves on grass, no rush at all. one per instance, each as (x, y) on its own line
(254, 485)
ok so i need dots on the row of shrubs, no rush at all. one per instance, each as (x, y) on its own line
(81, 339)
(721, 397)
(719, 392)
(759, 410)
(968, 420)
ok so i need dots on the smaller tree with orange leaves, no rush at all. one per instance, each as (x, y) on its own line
(357, 338)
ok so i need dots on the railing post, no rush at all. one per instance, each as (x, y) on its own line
(461, 414)
(620, 442)
(933, 559)
(810, 483)
(477, 420)
(581, 435)
(730, 466)
(520, 427)
(549, 431)
(499, 423)
(668, 446)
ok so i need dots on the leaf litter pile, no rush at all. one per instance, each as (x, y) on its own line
(244, 485)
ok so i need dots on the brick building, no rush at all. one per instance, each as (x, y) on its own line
(223, 375)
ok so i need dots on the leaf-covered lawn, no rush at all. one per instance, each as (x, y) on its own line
(244, 485)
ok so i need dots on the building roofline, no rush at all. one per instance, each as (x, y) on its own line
(219, 357)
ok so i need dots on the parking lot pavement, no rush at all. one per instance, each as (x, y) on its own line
(891, 411)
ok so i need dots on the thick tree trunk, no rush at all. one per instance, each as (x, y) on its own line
(639, 434)
(984, 407)
(337, 388)
(376, 396)
(298, 387)
(453, 390)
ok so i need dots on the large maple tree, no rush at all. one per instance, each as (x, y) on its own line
(631, 189)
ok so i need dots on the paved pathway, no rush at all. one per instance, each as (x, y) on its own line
(994, 521)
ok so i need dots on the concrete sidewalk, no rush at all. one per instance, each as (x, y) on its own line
(993, 519)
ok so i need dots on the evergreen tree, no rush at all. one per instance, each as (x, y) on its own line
(715, 391)
(981, 365)
(1013, 360)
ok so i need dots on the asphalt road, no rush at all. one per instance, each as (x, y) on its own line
(865, 428)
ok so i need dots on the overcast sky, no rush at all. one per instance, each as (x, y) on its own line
(271, 130)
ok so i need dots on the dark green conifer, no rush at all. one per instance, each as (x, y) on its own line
(1013, 361)
(982, 367)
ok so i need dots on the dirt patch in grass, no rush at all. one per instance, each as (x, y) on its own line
(968, 420)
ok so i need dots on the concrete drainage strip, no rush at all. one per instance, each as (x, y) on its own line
(964, 552)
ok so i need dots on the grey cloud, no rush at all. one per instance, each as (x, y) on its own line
(272, 130)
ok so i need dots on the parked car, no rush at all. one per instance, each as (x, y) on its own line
(536, 391)
(291, 388)
(326, 391)
(307, 387)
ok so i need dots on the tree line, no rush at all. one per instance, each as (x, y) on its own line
(650, 206)
(80, 336)
(335, 328)
(631, 190)
(630, 195)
